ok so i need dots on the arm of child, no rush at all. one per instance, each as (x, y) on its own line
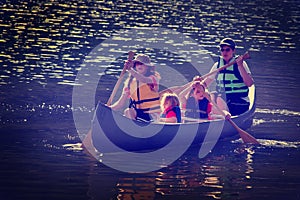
(183, 94)
(209, 80)
(170, 117)
(169, 120)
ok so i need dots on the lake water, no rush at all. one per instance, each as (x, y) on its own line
(45, 44)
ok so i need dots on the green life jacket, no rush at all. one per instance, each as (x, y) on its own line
(230, 80)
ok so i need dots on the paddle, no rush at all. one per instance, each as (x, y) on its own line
(243, 57)
(87, 142)
(180, 88)
(246, 137)
(130, 57)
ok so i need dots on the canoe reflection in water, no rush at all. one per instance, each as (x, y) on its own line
(208, 178)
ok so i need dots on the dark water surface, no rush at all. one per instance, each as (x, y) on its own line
(44, 44)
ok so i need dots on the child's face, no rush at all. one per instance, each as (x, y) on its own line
(198, 92)
(141, 68)
(167, 104)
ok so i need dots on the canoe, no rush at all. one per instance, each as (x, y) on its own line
(113, 132)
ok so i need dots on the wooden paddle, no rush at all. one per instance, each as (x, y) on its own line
(246, 137)
(113, 94)
(180, 88)
(87, 142)
(244, 57)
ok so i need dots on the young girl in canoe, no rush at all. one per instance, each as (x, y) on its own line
(171, 110)
(196, 102)
(141, 88)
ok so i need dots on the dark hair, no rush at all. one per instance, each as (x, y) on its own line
(227, 42)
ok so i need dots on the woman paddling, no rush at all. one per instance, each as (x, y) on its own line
(140, 88)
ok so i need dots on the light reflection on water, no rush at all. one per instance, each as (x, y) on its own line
(50, 40)
(213, 177)
(43, 46)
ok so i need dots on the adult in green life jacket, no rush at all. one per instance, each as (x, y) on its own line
(233, 82)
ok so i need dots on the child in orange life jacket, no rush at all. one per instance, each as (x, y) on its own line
(197, 105)
(171, 110)
(141, 88)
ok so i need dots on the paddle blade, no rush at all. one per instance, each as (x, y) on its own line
(130, 55)
(246, 56)
(246, 137)
(87, 141)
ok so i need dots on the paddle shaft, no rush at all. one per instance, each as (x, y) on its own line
(87, 142)
(179, 88)
(244, 57)
(246, 137)
(113, 94)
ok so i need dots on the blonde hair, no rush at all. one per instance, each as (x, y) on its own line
(172, 97)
